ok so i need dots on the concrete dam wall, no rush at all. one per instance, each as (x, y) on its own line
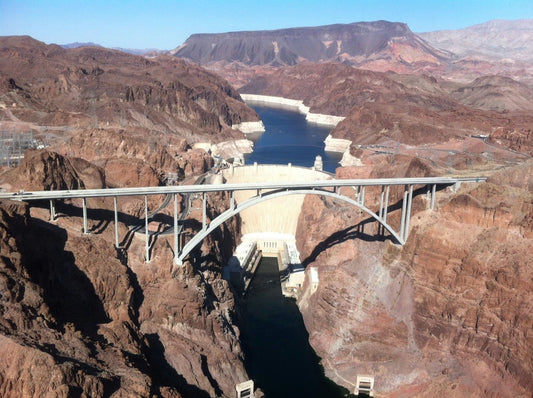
(279, 215)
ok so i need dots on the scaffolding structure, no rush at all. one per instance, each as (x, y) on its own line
(13, 145)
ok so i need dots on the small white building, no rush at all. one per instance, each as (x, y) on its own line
(245, 389)
(364, 385)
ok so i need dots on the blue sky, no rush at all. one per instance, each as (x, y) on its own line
(165, 24)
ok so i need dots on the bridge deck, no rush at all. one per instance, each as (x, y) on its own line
(110, 192)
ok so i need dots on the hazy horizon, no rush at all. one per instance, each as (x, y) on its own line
(165, 24)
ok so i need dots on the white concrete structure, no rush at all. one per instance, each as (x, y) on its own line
(276, 215)
(297, 105)
(294, 282)
(270, 243)
(364, 384)
(245, 389)
(318, 165)
(241, 267)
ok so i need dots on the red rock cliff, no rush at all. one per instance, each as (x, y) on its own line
(449, 313)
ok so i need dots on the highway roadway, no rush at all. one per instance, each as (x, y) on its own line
(187, 189)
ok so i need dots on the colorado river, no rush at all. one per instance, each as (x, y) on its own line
(289, 138)
(278, 356)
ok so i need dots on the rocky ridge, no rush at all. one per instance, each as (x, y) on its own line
(500, 39)
(94, 87)
(493, 48)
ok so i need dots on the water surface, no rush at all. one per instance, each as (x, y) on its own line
(289, 138)
(276, 344)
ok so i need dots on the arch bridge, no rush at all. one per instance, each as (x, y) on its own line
(351, 191)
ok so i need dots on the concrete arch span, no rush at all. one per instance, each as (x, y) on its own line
(262, 197)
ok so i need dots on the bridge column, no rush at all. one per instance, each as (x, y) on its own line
(146, 234)
(408, 214)
(204, 211)
(433, 192)
(380, 214)
(85, 227)
(404, 210)
(116, 222)
(176, 231)
(362, 199)
(386, 208)
(52, 210)
(232, 200)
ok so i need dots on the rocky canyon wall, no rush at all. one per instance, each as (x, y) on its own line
(79, 317)
(447, 314)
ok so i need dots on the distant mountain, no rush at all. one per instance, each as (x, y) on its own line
(494, 39)
(359, 44)
(497, 47)
(78, 44)
(134, 51)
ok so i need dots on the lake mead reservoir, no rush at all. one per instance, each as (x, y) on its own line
(289, 138)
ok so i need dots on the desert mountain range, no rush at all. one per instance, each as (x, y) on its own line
(495, 47)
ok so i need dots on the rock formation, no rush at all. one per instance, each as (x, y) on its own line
(496, 39)
(494, 48)
(88, 319)
(77, 316)
(359, 44)
(447, 314)
(96, 87)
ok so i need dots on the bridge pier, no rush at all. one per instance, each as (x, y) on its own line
(52, 210)
(408, 214)
(204, 210)
(404, 210)
(386, 208)
(381, 208)
(146, 234)
(433, 192)
(117, 244)
(176, 232)
(85, 227)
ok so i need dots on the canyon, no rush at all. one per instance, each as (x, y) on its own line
(449, 313)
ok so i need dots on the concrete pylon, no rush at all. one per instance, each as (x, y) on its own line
(319, 165)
